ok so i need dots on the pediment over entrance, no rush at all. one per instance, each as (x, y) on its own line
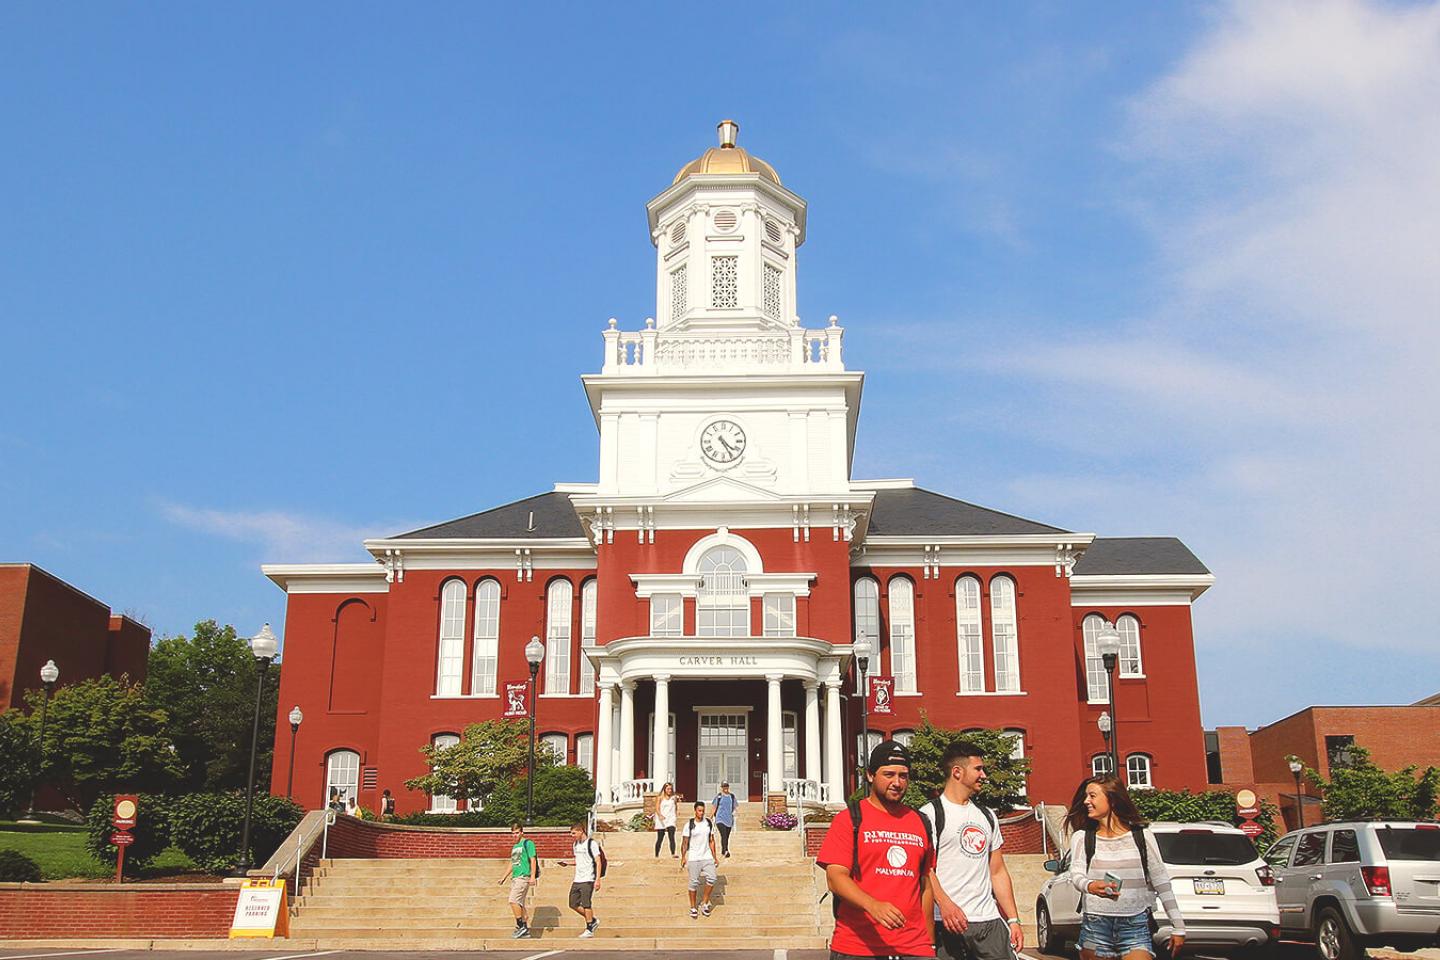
(724, 489)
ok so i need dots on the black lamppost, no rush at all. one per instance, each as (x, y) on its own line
(264, 645)
(534, 653)
(862, 652)
(48, 675)
(1107, 727)
(296, 717)
(1108, 643)
(1295, 767)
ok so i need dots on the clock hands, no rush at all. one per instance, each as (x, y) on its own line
(732, 451)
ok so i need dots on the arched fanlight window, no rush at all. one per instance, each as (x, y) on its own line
(587, 635)
(1095, 685)
(1004, 638)
(486, 655)
(1130, 663)
(722, 605)
(451, 659)
(970, 645)
(1137, 771)
(342, 774)
(558, 611)
(439, 802)
(902, 634)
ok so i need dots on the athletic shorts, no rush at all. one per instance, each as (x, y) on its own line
(1116, 936)
(581, 894)
(982, 940)
(519, 890)
(699, 869)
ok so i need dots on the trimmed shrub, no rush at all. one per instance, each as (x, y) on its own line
(208, 826)
(640, 823)
(469, 818)
(1182, 806)
(15, 867)
(151, 831)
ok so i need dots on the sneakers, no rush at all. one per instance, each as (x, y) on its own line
(521, 933)
(705, 908)
(694, 913)
(590, 929)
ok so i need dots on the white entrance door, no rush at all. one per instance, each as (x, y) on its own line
(722, 755)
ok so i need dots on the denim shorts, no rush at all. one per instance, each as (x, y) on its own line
(1116, 936)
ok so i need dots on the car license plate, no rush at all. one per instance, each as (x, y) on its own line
(1209, 886)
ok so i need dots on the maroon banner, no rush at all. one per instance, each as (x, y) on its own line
(516, 698)
(881, 695)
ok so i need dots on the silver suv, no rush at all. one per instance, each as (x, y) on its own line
(1350, 885)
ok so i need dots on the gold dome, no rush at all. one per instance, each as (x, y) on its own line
(728, 158)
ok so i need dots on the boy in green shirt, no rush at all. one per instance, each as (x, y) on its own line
(523, 875)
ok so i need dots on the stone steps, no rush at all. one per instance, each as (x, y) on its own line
(565, 938)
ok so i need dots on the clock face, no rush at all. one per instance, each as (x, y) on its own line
(723, 441)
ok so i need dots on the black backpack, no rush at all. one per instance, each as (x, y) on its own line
(853, 806)
(938, 818)
(1138, 833)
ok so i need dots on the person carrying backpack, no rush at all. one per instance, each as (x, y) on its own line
(697, 856)
(878, 858)
(523, 875)
(590, 866)
(975, 914)
(724, 816)
(1117, 868)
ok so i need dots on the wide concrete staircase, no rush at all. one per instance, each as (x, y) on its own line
(766, 899)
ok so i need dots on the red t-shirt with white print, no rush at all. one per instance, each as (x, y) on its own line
(894, 853)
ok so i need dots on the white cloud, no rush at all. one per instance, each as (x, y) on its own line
(283, 537)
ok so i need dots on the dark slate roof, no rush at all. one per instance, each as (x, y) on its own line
(554, 517)
(914, 512)
(1114, 556)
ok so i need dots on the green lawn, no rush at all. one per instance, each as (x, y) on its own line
(60, 851)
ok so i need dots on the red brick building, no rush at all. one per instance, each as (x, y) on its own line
(699, 602)
(44, 618)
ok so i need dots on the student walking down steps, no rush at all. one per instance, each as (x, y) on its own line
(697, 857)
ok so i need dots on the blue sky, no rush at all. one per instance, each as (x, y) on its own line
(275, 278)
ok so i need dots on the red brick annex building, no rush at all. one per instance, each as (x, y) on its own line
(704, 592)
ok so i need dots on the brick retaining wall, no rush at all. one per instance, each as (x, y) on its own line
(351, 837)
(47, 910)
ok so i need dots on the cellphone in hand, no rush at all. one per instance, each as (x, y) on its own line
(1114, 881)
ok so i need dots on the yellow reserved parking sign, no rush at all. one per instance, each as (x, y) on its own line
(262, 910)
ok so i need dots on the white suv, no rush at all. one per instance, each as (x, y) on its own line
(1224, 889)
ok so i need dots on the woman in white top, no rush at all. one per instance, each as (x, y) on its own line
(1119, 881)
(665, 819)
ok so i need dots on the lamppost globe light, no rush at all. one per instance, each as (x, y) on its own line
(1296, 766)
(49, 673)
(534, 651)
(264, 645)
(862, 650)
(1104, 723)
(296, 717)
(1108, 641)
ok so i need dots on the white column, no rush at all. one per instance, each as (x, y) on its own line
(604, 735)
(660, 737)
(627, 732)
(774, 735)
(812, 730)
(834, 755)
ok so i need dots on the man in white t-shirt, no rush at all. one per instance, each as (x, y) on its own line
(589, 860)
(975, 915)
(697, 857)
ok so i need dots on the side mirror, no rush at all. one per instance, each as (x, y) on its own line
(1053, 866)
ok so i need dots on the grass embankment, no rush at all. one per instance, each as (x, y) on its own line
(59, 849)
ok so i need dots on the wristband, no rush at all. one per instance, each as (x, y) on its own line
(1015, 920)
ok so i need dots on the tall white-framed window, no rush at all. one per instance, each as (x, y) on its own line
(667, 615)
(1130, 663)
(439, 802)
(558, 611)
(585, 753)
(1095, 687)
(1137, 771)
(1017, 751)
(650, 727)
(870, 741)
(902, 736)
(558, 744)
(588, 596)
(790, 736)
(1100, 765)
(722, 605)
(485, 658)
(779, 614)
(451, 659)
(342, 773)
(967, 635)
(867, 617)
(902, 634)
(1004, 636)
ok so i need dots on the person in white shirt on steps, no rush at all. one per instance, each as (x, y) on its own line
(588, 872)
(975, 914)
(697, 856)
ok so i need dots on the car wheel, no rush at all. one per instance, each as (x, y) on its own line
(1333, 937)
(1045, 935)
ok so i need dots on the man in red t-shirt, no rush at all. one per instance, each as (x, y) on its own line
(880, 876)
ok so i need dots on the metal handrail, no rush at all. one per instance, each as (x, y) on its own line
(300, 845)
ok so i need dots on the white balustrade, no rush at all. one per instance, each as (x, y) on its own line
(633, 791)
(812, 791)
(652, 351)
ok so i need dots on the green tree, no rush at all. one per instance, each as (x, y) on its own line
(1005, 782)
(206, 683)
(19, 762)
(1182, 806)
(102, 736)
(207, 827)
(1362, 789)
(563, 796)
(489, 755)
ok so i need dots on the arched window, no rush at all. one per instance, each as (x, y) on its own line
(722, 606)
(902, 634)
(585, 753)
(872, 740)
(452, 639)
(1004, 638)
(439, 802)
(558, 610)
(967, 635)
(1017, 751)
(486, 655)
(587, 635)
(342, 773)
(867, 617)
(558, 744)
(1095, 686)
(903, 736)
(1100, 765)
(1130, 665)
(1137, 771)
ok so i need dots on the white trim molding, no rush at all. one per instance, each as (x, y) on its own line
(327, 577)
(1138, 590)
